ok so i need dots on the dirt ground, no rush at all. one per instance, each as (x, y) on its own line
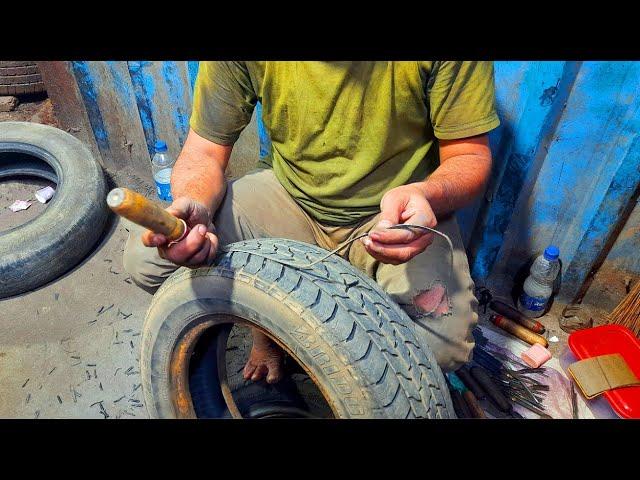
(35, 108)
(71, 349)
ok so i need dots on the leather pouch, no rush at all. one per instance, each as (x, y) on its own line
(596, 375)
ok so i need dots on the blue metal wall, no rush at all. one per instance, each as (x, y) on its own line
(567, 155)
(567, 163)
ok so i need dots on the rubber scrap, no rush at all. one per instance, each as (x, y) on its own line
(536, 355)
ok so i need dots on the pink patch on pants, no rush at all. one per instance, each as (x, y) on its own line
(433, 301)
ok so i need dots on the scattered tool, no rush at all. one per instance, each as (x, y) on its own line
(459, 404)
(574, 402)
(472, 402)
(486, 298)
(146, 213)
(511, 313)
(531, 407)
(514, 385)
(470, 383)
(403, 226)
(491, 389)
(518, 330)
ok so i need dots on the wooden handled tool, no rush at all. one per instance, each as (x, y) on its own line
(460, 405)
(511, 313)
(146, 213)
(472, 402)
(491, 389)
(518, 330)
(470, 383)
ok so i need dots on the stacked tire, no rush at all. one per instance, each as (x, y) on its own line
(19, 78)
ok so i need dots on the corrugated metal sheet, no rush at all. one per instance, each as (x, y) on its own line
(567, 155)
(567, 166)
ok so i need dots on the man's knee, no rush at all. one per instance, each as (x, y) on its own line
(444, 321)
(146, 268)
(449, 336)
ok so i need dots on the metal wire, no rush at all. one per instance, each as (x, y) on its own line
(402, 226)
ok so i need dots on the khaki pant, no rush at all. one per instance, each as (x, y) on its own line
(438, 298)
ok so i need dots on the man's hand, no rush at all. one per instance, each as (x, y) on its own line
(404, 204)
(199, 247)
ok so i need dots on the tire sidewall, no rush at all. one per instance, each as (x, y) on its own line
(177, 310)
(49, 245)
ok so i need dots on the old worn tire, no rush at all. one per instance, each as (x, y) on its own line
(41, 250)
(20, 77)
(27, 168)
(352, 339)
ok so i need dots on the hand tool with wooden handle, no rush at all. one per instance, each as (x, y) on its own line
(511, 313)
(459, 405)
(491, 389)
(469, 397)
(518, 330)
(470, 382)
(146, 213)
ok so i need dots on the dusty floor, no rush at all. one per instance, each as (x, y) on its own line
(35, 108)
(71, 348)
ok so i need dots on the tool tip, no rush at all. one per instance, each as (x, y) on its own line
(115, 197)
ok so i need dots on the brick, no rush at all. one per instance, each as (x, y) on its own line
(8, 103)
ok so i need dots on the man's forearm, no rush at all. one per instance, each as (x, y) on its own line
(456, 182)
(465, 166)
(199, 172)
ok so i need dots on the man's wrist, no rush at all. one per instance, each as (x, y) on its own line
(430, 190)
(201, 206)
(435, 193)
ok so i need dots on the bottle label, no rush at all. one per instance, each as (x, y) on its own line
(164, 191)
(534, 304)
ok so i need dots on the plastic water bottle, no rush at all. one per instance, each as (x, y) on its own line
(538, 286)
(161, 166)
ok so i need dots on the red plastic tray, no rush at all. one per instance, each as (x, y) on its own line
(605, 340)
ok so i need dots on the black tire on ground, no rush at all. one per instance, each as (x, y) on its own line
(350, 337)
(41, 250)
(17, 78)
(250, 397)
(27, 167)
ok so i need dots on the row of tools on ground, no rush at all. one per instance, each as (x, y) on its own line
(489, 377)
(493, 376)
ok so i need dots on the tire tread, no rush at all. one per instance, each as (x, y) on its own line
(373, 333)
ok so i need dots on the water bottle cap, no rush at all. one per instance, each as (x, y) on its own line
(551, 252)
(160, 146)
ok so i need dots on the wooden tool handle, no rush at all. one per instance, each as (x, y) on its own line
(146, 213)
(518, 330)
(460, 405)
(491, 389)
(474, 406)
(512, 314)
(470, 383)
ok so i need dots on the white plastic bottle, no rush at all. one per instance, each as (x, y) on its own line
(161, 166)
(538, 286)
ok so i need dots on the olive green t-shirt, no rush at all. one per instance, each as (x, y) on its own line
(343, 133)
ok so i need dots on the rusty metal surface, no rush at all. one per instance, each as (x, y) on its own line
(68, 105)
